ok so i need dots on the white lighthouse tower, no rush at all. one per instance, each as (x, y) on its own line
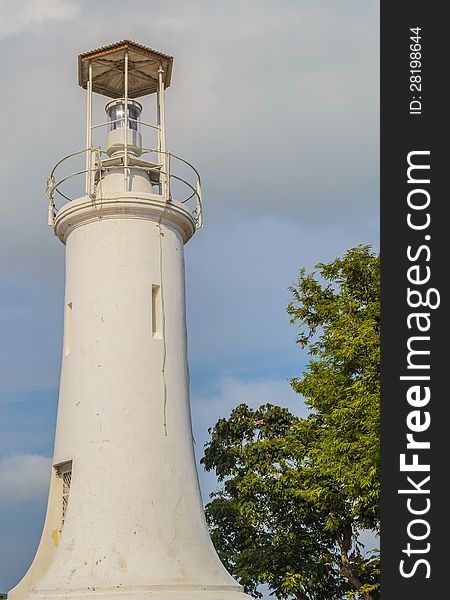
(125, 518)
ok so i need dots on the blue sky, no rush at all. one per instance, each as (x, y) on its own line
(277, 106)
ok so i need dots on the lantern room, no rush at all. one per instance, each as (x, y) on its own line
(132, 154)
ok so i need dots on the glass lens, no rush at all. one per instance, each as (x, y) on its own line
(133, 115)
(117, 115)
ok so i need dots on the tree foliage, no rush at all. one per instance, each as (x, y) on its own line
(339, 322)
(297, 492)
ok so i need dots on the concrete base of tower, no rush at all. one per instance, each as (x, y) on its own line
(188, 592)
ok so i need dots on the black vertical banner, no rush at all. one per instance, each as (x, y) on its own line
(415, 511)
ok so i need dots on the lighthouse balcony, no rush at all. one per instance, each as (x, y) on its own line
(168, 176)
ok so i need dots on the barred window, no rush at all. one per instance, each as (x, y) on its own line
(67, 478)
(64, 472)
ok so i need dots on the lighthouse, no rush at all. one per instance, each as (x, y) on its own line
(125, 518)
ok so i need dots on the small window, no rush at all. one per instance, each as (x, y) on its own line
(67, 329)
(64, 472)
(156, 311)
(67, 479)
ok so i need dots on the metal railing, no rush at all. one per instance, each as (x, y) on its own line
(164, 181)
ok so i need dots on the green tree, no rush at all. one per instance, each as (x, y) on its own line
(297, 492)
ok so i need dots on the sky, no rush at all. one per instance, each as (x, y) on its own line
(276, 104)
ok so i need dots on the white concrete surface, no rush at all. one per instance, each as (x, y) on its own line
(134, 525)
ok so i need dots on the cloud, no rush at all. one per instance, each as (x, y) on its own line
(278, 112)
(23, 478)
(238, 273)
(21, 15)
(31, 334)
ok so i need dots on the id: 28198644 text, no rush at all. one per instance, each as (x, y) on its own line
(415, 70)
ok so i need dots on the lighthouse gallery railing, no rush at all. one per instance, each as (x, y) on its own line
(190, 191)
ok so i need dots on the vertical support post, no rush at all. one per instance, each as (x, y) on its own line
(89, 189)
(158, 134)
(125, 158)
(162, 135)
